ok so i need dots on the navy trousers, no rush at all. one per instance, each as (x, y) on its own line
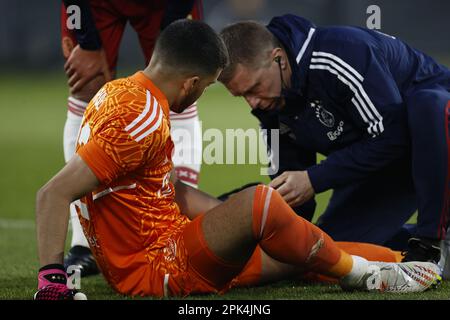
(376, 210)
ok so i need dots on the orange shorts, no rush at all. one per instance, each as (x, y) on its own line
(204, 272)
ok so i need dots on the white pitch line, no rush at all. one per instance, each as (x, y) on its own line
(18, 224)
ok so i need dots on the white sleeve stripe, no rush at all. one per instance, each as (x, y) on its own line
(142, 115)
(340, 61)
(153, 128)
(149, 120)
(356, 84)
(305, 45)
(355, 73)
(370, 118)
(362, 114)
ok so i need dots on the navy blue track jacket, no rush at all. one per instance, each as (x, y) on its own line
(347, 99)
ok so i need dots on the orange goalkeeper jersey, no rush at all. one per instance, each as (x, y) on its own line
(125, 140)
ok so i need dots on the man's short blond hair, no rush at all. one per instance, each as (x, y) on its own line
(248, 43)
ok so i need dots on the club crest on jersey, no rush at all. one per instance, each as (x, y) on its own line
(325, 117)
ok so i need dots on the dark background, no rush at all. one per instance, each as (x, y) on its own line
(30, 30)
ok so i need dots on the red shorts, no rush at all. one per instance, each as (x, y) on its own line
(111, 18)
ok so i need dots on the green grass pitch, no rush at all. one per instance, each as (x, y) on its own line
(33, 114)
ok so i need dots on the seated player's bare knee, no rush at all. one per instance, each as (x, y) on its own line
(245, 197)
(87, 92)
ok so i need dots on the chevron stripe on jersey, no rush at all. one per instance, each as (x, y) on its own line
(148, 121)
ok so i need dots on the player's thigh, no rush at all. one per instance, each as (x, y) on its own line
(146, 21)
(227, 228)
(220, 242)
(197, 10)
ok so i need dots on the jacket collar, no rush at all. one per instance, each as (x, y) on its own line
(297, 36)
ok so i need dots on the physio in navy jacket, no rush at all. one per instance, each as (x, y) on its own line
(375, 107)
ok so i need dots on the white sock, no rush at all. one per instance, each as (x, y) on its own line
(359, 269)
(71, 129)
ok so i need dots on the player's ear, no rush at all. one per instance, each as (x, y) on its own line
(190, 83)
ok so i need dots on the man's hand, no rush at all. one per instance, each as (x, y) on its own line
(52, 285)
(294, 186)
(84, 65)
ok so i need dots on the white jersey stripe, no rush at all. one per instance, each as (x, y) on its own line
(355, 83)
(305, 45)
(155, 109)
(340, 61)
(357, 75)
(370, 120)
(142, 115)
(153, 128)
(110, 190)
(361, 112)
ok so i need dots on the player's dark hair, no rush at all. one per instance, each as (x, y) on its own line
(191, 47)
(247, 42)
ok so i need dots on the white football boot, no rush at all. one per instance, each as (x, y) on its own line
(395, 277)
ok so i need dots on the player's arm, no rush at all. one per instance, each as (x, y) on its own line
(52, 216)
(52, 207)
(87, 60)
(191, 201)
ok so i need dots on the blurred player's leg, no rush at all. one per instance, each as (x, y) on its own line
(186, 133)
(110, 28)
(185, 127)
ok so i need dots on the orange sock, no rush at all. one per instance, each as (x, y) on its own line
(371, 252)
(291, 239)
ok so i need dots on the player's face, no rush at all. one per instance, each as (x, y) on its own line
(194, 92)
(260, 87)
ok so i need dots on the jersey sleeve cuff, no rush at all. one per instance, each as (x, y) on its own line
(319, 178)
(104, 168)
